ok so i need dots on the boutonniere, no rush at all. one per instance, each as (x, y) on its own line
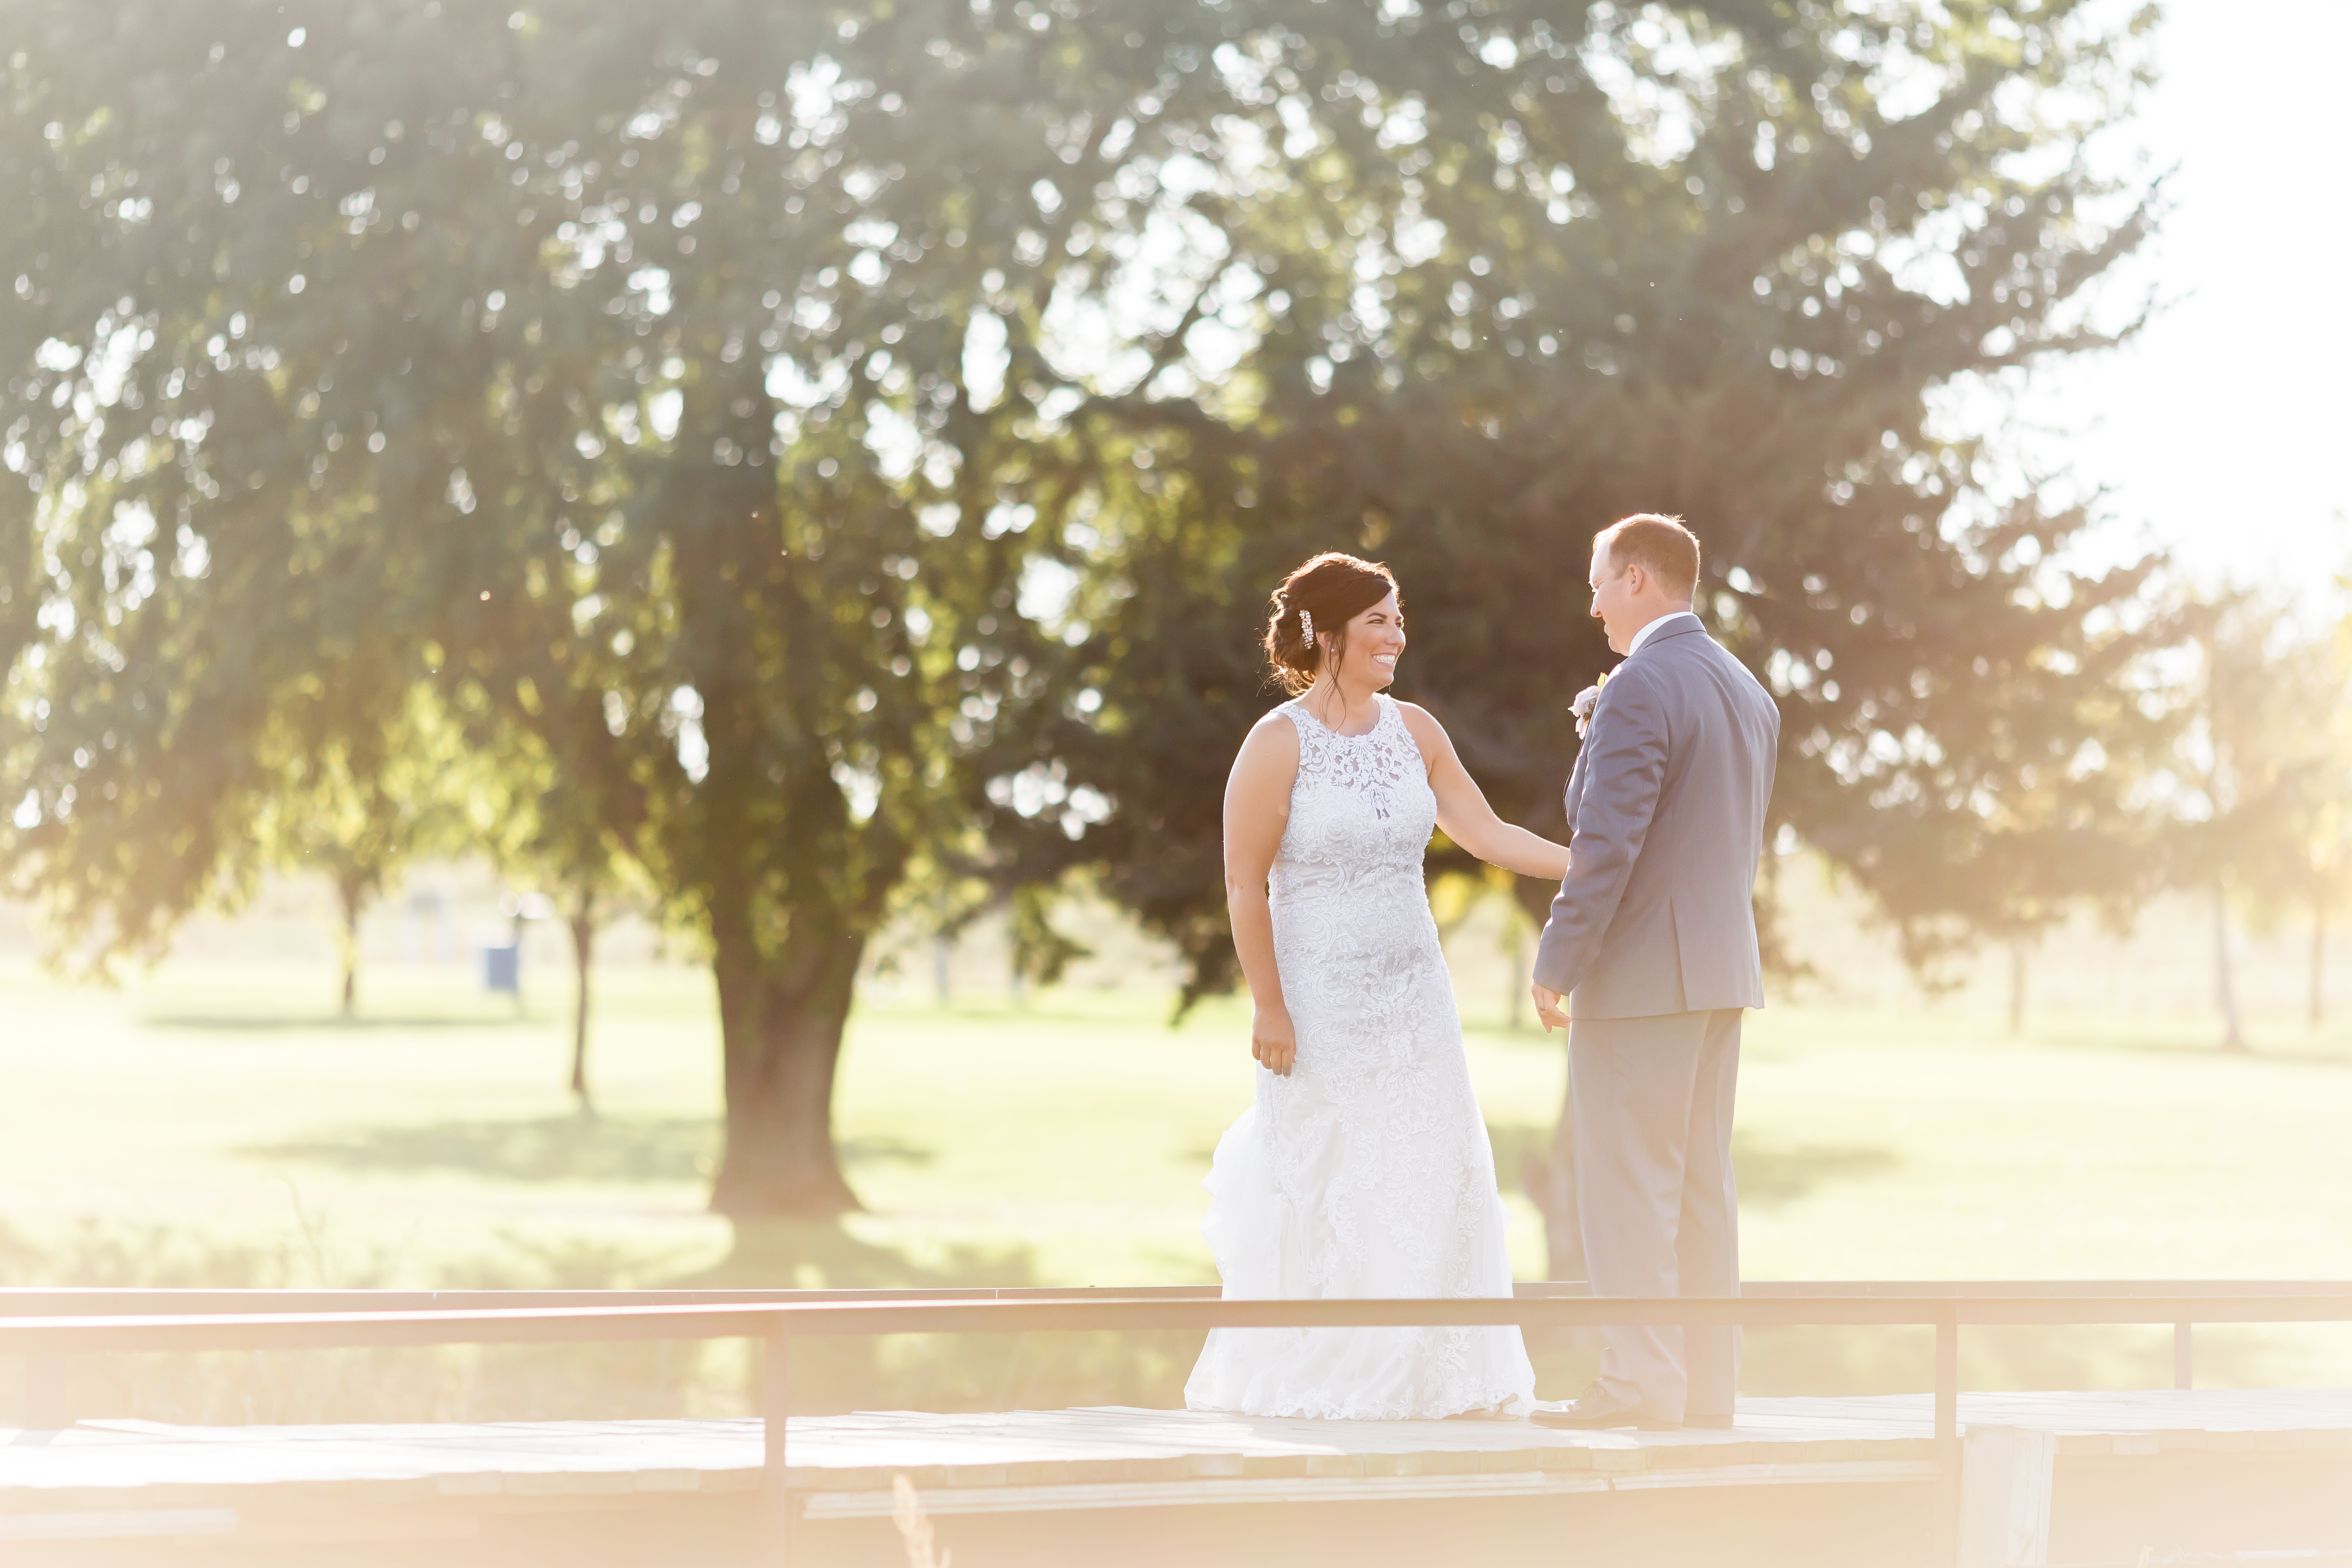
(1586, 700)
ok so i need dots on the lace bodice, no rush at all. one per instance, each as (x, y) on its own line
(1367, 1171)
(1362, 805)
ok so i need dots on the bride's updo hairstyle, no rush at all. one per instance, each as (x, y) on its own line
(1329, 591)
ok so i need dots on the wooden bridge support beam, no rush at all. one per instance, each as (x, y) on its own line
(2007, 1474)
(775, 1409)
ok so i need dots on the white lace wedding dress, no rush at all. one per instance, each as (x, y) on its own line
(1367, 1171)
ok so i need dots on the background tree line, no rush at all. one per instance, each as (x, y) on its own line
(803, 461)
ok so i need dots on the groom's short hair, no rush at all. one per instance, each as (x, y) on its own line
(1659, 544)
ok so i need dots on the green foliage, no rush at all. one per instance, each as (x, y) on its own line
(2257, 770)
(1486, 282)
(356, 805)
(603, 369)
(2319, 871)
(2257, 775)
(2323, 874)
(2254, 779)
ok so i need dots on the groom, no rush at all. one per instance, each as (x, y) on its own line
(1653, 940)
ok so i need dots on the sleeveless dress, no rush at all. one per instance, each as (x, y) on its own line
(1367, 1171)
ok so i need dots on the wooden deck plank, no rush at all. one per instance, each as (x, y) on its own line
(1094, 1458)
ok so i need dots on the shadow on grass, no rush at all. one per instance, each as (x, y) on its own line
(549, 1148)
(828, 1254)
(1773, 1176)
(1770, 1175)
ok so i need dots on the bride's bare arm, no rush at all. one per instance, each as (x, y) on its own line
(1257, 807)
(1467, 819)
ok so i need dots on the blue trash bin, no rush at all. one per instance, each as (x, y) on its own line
(502, 969)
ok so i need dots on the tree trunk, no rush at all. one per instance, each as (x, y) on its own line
(2225, 990)
(790, 884)
(2017, 988)
(942, 951)
(584, 942)
(780, 1026)
(2318, 965)
(351, 896)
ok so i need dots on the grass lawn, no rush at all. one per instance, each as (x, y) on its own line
(213, 1124)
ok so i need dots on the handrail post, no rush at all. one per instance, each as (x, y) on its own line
(775, 1409)
(2184, 1355)
(44, 1393)
(1947, 1385)
(1947, 1422)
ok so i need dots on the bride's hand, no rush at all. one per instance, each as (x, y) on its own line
(1274, 1044)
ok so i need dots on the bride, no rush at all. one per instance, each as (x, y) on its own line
(1363, 1169)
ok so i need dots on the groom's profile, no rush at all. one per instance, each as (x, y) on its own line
(1651, 939)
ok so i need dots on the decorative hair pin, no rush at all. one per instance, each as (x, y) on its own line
(1307, 626)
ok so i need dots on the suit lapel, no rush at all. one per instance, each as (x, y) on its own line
(1575, 792)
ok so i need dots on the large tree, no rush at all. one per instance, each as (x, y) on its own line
(585, 360)
(1466, 285)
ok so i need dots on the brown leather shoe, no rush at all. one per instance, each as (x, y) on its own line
(1597, 1409)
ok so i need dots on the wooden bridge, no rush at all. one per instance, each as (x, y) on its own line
(1940, 1478)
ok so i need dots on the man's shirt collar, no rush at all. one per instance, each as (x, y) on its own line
(1665, 620)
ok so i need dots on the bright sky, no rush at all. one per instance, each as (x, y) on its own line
(2226, 430)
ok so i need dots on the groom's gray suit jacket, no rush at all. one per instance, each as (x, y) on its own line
(1666, 817)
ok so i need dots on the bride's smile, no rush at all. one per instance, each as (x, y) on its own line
(1353, 662)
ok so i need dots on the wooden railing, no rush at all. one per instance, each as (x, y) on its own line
(46, 1325)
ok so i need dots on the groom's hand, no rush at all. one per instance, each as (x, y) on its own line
(1547, 1008)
